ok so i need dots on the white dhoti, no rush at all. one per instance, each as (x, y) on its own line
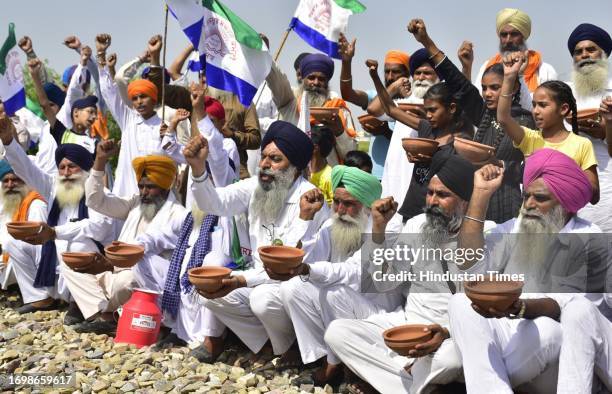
(586, 350)
(24, 259)
(150, 273)
(254, 315)
(104, 292)
(312, 308)
(501, 354)
(361, 347)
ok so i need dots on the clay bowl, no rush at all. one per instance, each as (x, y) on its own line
(415, 109)
(585, 114)
(472, 151)
(371, 124)
(403, 339)
(22, 230)
(423, 146)
(493, 294)
(122, 255)
(280, 259)
(208, 279)
(323, 114)
(79, 261)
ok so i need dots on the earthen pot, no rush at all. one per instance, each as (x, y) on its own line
(22, 230)
(375, 126)
(423, 146)
(493, 294)
(584, 115)
(403, 339)
(280, 259)
(123, 255)
(473, 151)
(208, 279)
(79, 261)
(324, 115)
(415, 109)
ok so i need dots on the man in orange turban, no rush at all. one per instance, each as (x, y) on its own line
(143, 94)
(161, 170)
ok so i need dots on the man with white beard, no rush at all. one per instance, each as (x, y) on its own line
(397, 172)
(20, 203)
(316, 71)
(70, 225)
(330, 259)
(517, 349)
(359, 344)
(590, 47)
(249, 303)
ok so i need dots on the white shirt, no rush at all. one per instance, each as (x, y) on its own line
(139, 137)
(237, 198)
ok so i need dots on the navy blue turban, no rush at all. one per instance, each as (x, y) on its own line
(317, 62)
(85, 102)
(587, 31)
(67, 76)
(293, 142)
(54, 93)
(147, 70)
(298, 60)
(417, 59)
(76, 154)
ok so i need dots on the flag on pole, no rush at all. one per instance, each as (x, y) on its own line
(236, 58)
(320, 22)
(12, 91)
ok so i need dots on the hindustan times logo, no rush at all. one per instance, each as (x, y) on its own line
(405, 253)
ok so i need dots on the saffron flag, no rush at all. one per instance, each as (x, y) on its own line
(235, 57)
(320, 22)
(12, 91)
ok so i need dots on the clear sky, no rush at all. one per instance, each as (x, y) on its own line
(381, 27)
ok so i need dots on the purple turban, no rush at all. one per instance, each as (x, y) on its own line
(563, 177)
(587, 31)
(317, 62)
(417, 59)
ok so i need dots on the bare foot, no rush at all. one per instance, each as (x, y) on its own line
(327, 373)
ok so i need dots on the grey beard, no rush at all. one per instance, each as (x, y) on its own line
(269, 198)
(11, 201)
(315, 97)
(150, 209)
(438, 227)
(590, 76)
(512, 48)
(346, 233)
(419, 88)
(70, 193)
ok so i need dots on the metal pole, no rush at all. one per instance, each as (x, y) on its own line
(164, 43)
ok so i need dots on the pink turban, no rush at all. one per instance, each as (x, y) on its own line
(564, 178)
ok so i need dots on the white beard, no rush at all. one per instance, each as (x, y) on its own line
(439, 228)
(346, 233)
(419, 88)
(590, 78)
(316, 98)
(11, 201)
(150, 209)
(70, 193)
(269, 199)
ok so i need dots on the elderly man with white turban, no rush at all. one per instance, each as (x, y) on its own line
(513, 28)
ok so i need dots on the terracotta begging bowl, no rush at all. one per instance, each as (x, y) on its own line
(208, 279)
(415, 109)
(122, 255)
(585, 114)
(22, 230)
(323, 114)
(423, 146)
(79, 261)
(371, 124)
(403, 339)
(493, 294)
(280, 259)
(472, 151)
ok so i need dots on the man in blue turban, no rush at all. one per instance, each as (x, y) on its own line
(249, 302)
(422, 72)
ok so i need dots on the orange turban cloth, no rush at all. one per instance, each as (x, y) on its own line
(143, 86)
(397, 57)
(160, 170)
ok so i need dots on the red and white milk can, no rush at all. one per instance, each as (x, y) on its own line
(140, 319)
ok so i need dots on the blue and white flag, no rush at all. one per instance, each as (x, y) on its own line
(12, 91)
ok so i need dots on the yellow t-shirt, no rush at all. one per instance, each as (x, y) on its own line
(322, 180)
(578, 148)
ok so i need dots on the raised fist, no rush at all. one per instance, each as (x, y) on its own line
(25, 43)
(311, 202)
(196, 153)
(103, 41)
(155, 44)
(72, 42)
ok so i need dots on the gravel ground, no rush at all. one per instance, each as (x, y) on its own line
(40, 343)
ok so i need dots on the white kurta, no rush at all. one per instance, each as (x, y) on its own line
(25, 259)
(139, 137)
(598, 213)
(75, 236)
(256, 313)
(267, 113)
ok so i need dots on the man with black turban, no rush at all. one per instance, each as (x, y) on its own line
(436, 361)
(249, 303)
(590, 48)
(70, 224)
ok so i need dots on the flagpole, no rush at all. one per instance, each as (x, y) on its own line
(276, 56)
(164, 43)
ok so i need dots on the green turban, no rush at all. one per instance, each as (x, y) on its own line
(363, 186)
